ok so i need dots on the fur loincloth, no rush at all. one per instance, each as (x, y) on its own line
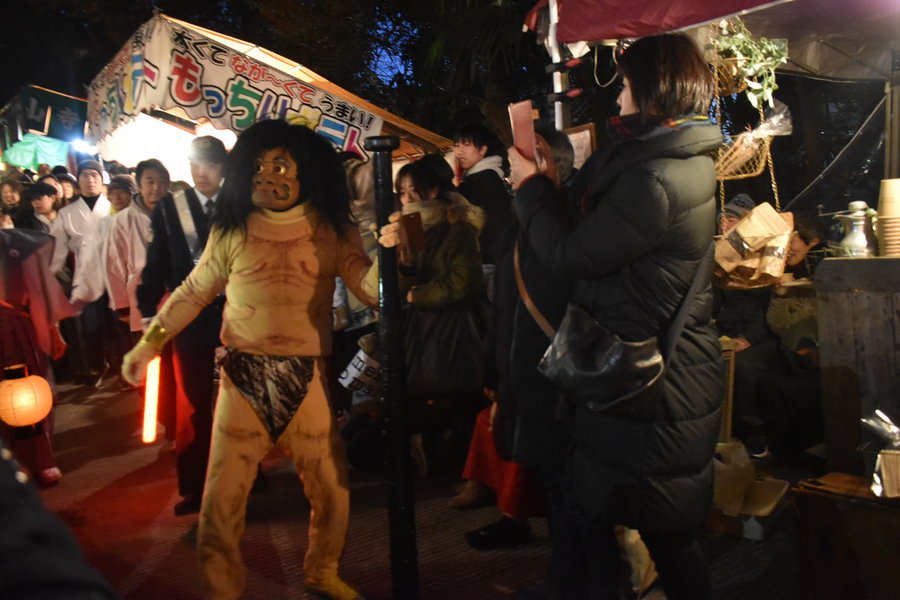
(273, 385)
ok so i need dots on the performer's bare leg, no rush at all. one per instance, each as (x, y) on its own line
(318, 452)
(239, 443)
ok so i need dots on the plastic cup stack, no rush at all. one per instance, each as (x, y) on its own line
(889, 218)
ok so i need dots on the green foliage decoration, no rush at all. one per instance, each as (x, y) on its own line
(755, 58)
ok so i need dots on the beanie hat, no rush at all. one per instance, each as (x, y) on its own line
(89, 164)
(123, 182)
(739, 206)
(207, 149)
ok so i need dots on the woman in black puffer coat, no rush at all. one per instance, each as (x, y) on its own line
(648, 216)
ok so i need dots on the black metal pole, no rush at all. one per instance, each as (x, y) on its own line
(401, 505)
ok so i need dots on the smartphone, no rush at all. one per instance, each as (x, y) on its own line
(521, 119)
(412, 233)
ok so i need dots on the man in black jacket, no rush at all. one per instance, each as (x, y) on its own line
(180, 227)
(476, 150)
(741, 315)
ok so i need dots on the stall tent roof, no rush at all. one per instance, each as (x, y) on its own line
(850, 39)
(414, 140)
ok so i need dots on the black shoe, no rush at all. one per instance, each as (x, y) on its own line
(504, 533)
(756, 444)
(95, 378)
(189, 505)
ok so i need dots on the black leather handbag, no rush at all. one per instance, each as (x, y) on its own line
(594, 367)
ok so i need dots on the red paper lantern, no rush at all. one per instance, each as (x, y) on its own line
(24, 399)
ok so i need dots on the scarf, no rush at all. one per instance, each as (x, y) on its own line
(633, 127)
(432, 211)
(488, 163)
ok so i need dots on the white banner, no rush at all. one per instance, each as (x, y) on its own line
(167, 65)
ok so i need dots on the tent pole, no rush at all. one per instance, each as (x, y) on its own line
(892, 120)
(401, 507)
(561, 110)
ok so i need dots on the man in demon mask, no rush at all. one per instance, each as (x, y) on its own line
(281, 234)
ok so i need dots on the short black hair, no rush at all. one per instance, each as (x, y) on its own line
(423, 177)
(669, 76)
(440, 167)
(150, 163)
(479, 136)
(808, 227)
(322, 180)
(36, 190)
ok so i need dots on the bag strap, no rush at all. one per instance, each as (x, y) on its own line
(529, 304)
(678, 321)
(671, 335)
(186, 219)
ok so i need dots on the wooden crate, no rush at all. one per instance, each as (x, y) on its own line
(848, 539)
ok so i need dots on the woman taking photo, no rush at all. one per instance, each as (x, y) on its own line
(448, 310)
(647, 217)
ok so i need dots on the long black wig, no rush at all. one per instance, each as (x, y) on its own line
(322, 180)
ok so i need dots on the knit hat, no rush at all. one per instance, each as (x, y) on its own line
(123, 182)
(89, 164)
(207, 149)
(739, 206)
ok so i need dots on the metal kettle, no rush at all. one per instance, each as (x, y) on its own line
(855, 222)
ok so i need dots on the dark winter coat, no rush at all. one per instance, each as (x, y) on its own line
(449, 269)
(529, 428)
(29, 220)
(444, 328)
(487, 190)
(649, 220)
(169, 259)
(742, 313)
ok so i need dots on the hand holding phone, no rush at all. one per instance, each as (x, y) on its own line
(521, 119)
(412, 236)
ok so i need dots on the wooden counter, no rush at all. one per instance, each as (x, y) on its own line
(859, 332)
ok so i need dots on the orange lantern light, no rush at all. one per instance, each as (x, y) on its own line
(24, 399)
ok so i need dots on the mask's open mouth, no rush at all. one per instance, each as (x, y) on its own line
(273, 191)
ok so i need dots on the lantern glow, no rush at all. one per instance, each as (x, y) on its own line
(24, 400)
(151, 402)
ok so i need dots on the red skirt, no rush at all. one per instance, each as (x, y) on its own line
(518, 493)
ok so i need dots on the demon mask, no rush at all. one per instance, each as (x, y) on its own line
(275, 184)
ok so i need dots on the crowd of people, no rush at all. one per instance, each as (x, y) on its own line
(256, 285)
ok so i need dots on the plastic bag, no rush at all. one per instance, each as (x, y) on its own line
(886, 478)
(746, 153)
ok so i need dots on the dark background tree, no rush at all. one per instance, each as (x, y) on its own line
(436, 63)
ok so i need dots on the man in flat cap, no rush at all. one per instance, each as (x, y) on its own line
(180, 227)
